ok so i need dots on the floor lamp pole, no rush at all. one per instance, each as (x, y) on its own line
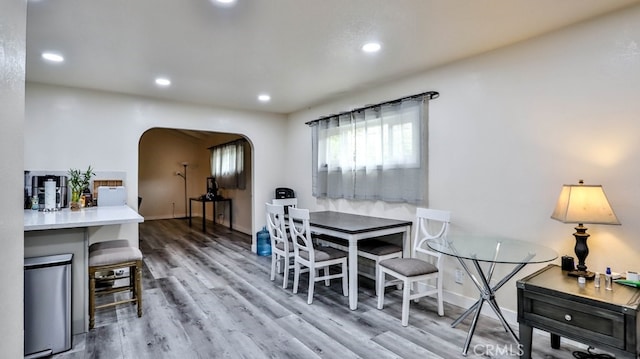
(185, 164)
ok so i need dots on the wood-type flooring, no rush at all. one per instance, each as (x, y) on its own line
(206, 295)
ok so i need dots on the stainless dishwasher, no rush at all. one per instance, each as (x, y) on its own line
(47, 305)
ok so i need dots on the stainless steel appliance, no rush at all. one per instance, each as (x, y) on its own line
(47, 305)
(38, 184)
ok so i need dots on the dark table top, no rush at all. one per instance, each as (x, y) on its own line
(553, 278)
(353, 223)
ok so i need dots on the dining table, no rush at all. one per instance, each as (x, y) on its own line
(354, 228)
(491, 250)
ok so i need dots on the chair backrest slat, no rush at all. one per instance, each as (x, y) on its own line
(430, 224)
(286, 202)
(276, 225)
(300, 232)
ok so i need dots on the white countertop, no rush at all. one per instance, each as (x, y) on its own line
(85, 217)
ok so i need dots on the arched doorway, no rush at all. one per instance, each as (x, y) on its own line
(165, 154)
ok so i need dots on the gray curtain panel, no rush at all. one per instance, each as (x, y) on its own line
(375, 153)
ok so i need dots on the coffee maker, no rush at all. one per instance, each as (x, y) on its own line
(54, 183)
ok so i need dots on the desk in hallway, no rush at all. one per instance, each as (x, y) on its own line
(204, 202)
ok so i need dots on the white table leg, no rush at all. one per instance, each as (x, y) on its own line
(406, 242)
(353, 274)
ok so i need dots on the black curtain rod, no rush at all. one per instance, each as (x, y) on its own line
(431, 94)
(227, 143)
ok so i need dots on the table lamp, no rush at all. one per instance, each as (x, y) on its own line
(583, 204)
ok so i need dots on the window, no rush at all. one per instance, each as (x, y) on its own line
(375, 153)
(227, 164)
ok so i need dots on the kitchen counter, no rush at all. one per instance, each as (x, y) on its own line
(85, 217)
(69, 232)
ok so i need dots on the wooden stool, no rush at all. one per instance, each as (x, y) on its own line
(110, 256)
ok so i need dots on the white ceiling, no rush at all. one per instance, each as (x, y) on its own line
(301, 52)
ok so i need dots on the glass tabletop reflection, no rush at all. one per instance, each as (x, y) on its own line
(493, 249)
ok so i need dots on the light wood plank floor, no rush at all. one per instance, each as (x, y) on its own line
(209, 296)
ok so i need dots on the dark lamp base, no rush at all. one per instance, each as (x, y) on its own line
(581, 273)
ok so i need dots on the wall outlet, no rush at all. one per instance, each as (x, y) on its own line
(459, 276)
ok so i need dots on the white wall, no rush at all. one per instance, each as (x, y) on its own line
(13, 16)
(68, 127)
(510, 127)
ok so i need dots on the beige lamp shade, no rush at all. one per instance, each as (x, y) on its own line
(584, 204)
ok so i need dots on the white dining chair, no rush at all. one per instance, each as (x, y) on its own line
(418, 274)
(305, 255)
(378, 250)
(281, 247)
(286, 202)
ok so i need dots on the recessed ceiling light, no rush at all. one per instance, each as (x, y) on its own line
(52, 56)
(371, 47)
(264, 98)
(224, 2)
(162, 81)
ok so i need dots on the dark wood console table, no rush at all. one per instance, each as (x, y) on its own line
(552, 301)
(204, 210)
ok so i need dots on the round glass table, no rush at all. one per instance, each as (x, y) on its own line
(492, 250)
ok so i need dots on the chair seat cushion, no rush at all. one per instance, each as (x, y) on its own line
(324, 254)
(115, 243)
(280, 246)
(409, 267)
(109, 256)
(378, 248)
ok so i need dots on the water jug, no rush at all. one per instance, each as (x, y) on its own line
(264, 242)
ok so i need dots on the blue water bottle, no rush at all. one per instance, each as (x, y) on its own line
(607, 279)
(264, 242)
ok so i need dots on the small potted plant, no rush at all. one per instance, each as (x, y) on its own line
(78, 182)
